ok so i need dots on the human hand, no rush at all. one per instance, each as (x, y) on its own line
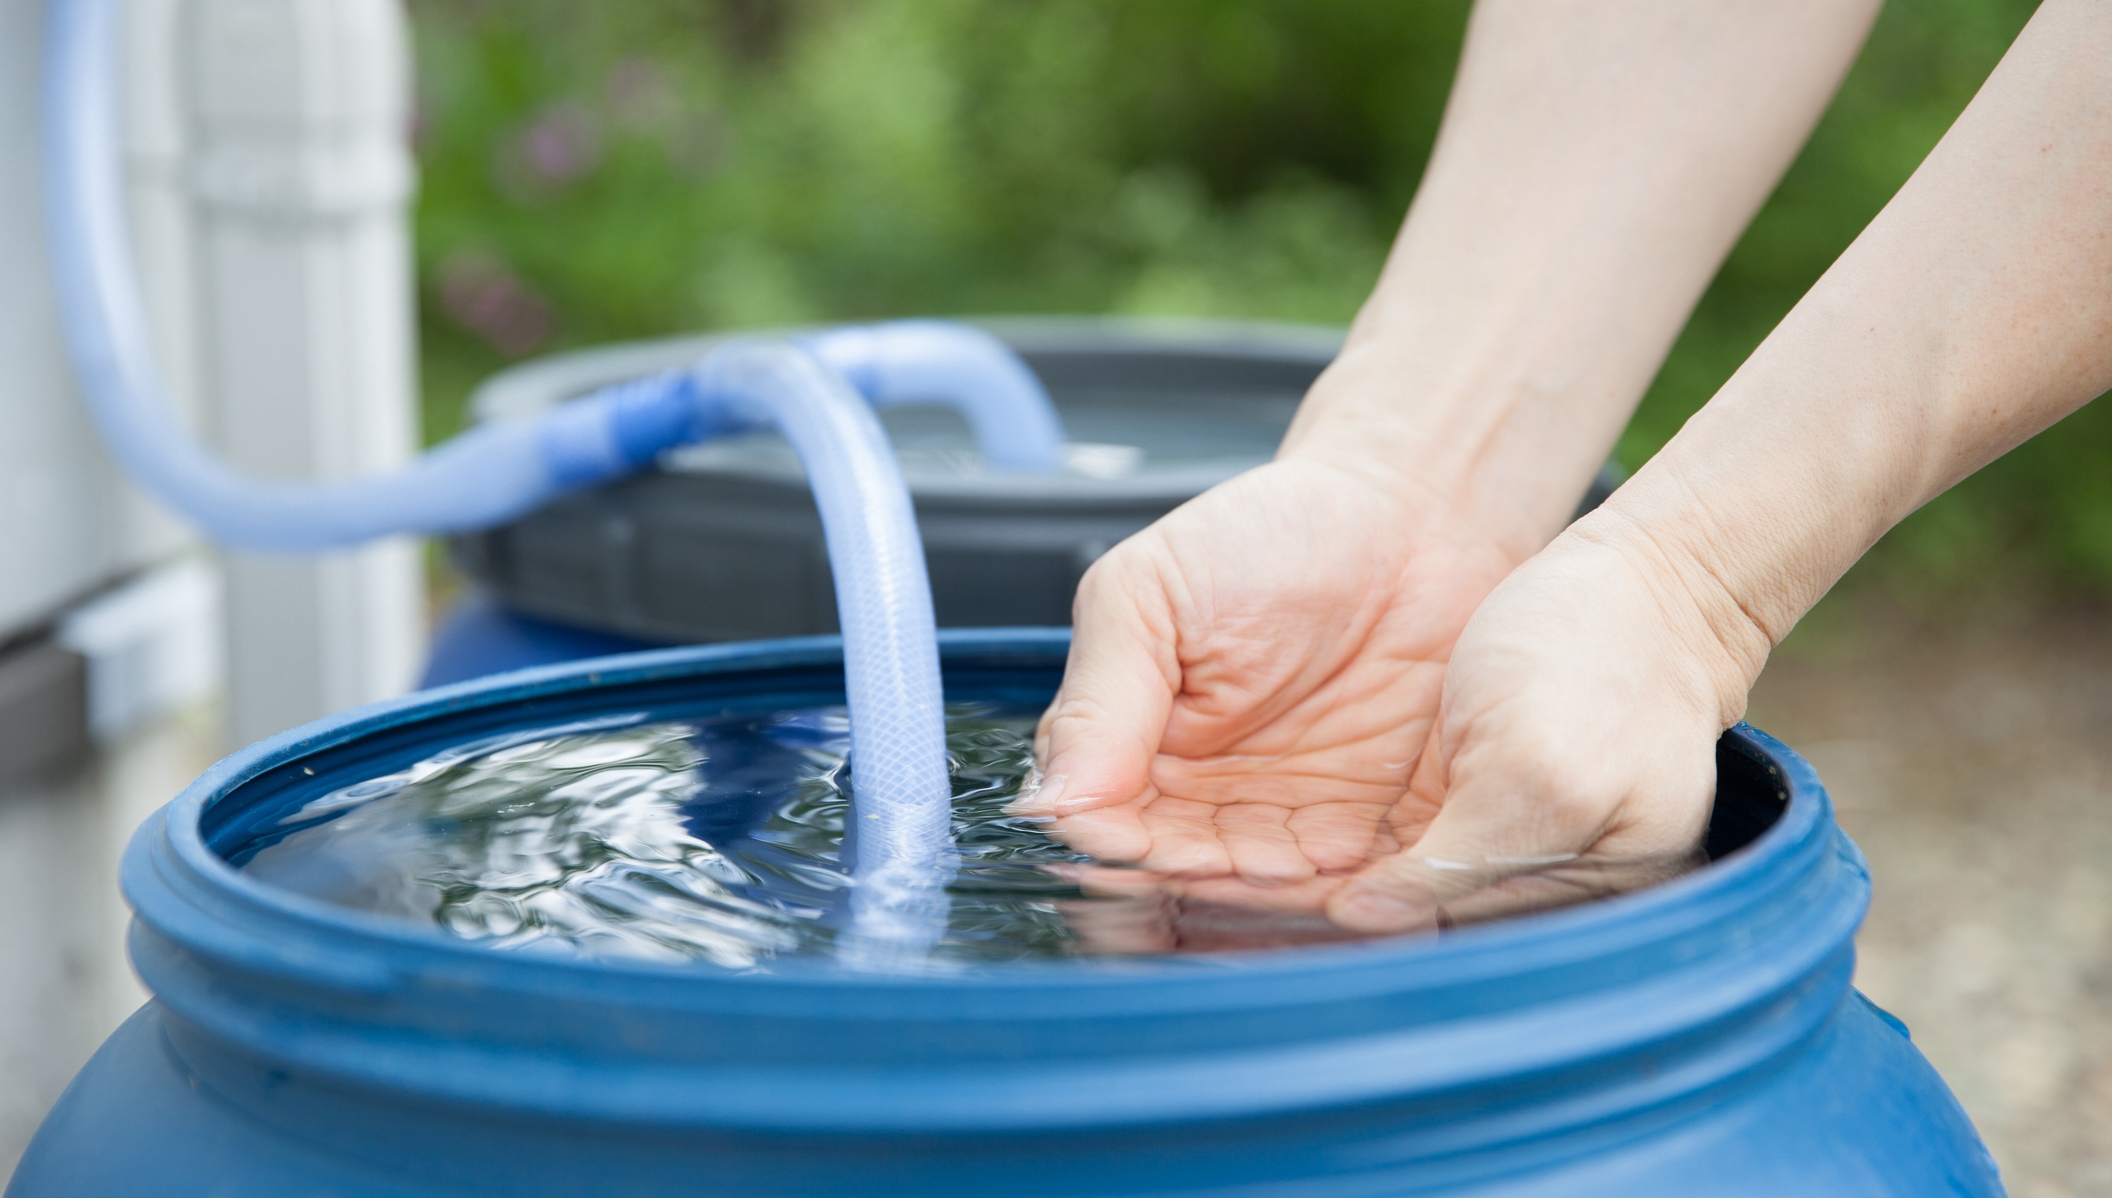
(1253, 681)
(1574, 754)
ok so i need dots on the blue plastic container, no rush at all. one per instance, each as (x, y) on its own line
(478, 637)
(1697, 1039)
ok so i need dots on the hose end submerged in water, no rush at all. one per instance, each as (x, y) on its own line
(901, 793)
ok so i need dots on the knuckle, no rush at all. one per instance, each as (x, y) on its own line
(1071, 713)
(1108, 581)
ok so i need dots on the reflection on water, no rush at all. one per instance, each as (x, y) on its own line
(719, 841)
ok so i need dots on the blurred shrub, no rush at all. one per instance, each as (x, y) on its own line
(602, 171)
(618, 170)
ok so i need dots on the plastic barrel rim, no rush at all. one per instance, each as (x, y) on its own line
(1695, 1038)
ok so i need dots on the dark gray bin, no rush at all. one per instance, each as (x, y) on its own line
(723, 542)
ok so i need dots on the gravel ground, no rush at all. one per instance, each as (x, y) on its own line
(1974, 766)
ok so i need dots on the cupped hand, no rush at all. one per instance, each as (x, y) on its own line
(1253, 681)
(1574, 754)
(1277, 701)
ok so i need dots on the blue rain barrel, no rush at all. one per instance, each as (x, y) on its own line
(478, 636)
(1700, 1038)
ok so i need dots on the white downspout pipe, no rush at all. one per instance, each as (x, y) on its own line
(299, 180)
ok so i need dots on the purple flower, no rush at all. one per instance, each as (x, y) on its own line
(482, 294)
(561, 143)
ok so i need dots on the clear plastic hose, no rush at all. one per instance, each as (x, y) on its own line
(487, 476)
(901, 836)
(903, 848)
(923, 361)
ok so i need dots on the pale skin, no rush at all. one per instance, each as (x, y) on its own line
(1370, 679)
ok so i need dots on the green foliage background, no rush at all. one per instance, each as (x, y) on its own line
(600, 171)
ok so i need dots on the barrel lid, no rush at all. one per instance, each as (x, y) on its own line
(1152, 407)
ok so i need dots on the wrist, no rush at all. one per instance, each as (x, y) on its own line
(1705, 623)
(1784, 479)
(1741, 520)
(1476, 442)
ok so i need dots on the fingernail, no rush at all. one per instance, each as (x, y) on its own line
(1038, 795)
(1379, 913)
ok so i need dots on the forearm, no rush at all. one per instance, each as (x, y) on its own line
(1975, 311)
(1596, 163)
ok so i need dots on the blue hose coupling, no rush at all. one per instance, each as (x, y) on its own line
(620, 429)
